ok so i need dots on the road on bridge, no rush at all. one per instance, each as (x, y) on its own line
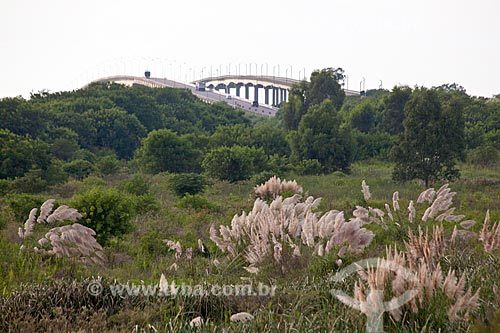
(212, 96)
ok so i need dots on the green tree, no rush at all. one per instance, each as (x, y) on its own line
(64, 144)
(293, 110)
(321, 137)
(428, 148)
(117, 130)
(18, 154)
(362, 117)
(271, 137)
(231, 135)
(234, 163)
(323, 84)
(163, 150)
(393, 113)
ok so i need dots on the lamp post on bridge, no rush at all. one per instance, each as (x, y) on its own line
(261, 66)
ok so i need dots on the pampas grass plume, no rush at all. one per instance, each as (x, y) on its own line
(241, 317)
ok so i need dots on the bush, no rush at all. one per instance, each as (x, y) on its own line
(78, 169)
(146, 203)
(22, 204)
(195, 202)
(138, 185)
(484, 156)
(152, 244)
(4, 186)
(234, 163)
(262, 177)
(186, 183)
(309, 167)
(31, 182)
(108, 165)
(107, 211)
(164, 150)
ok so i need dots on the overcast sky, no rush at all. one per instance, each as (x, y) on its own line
(63, 44)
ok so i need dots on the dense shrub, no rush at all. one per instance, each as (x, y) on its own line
(78, 169)
(146, 203)
(108, 165)
(31, 182)
(262, 177)
(186, 183)
(309, 167)
(138, 185)
(484, 156)
(106, 211)
(195, 202)
(164, 150)
(21, 204)
(234, 163)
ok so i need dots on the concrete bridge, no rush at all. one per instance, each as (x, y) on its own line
(207, 96)
(279, 87)
(227, 88)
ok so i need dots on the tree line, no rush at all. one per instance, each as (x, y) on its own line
(425, 131)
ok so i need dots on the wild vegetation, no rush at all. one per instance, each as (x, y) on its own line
(152, 190)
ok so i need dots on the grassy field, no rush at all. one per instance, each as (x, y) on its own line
(42, 293)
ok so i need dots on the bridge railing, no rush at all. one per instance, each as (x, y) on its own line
(266, 78)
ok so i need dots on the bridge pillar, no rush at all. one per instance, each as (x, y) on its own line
(275, 96)
(256, 93)
(247, 92)
(266, 96)
(238, 90)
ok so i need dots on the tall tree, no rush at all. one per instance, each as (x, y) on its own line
(321, 137)
(362, 116)
(426, 150)
(324, 84)
(393, 113)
